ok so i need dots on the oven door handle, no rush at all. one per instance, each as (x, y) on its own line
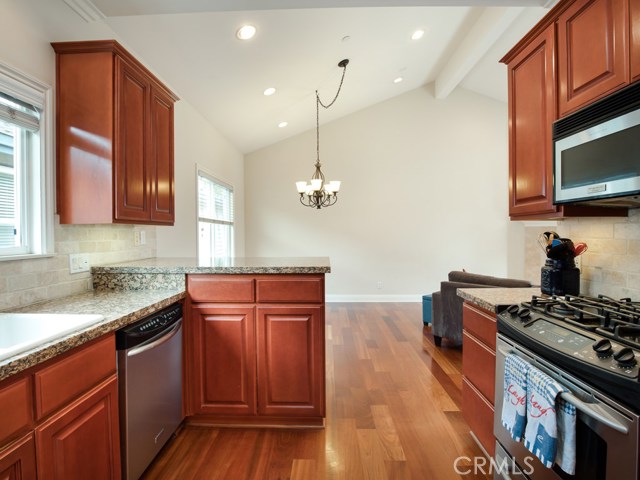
(589, 411)
(584, 407)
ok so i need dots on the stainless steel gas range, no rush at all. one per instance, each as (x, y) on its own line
(591, 346)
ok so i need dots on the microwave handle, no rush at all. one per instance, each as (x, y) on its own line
(585, 407)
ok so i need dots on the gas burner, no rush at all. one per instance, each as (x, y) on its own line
(615, 319)
(568, 309)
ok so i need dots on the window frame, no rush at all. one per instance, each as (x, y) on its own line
(39, 178)
(200, 171)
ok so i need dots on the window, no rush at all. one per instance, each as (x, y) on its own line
(215, 219)
(26, 203)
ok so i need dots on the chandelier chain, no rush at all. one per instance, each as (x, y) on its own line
(343, 64)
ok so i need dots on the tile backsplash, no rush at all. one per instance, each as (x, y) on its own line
(24, 282)
(611, 265)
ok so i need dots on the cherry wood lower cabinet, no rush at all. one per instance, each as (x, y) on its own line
(81, 441)
(291, 375)
(260, 360)
(18, 460)
(479, 371)
(62, 416)
(224, 370)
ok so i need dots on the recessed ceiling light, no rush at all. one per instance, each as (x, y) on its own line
(417, 35)
(282, 124)
(397, 80)
(269, 91)
(246, 32)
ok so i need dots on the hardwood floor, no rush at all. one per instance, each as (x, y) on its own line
(393, 412)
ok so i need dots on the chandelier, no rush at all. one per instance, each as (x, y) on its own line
(317, 193)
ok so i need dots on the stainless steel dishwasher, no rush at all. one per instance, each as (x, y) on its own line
(150, 387)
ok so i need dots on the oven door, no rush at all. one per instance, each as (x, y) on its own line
(606, 432)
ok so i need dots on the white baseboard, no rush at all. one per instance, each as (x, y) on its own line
(416, 298)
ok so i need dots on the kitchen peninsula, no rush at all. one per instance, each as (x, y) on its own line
(254, 335)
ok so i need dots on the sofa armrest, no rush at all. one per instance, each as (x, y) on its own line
(447, 320)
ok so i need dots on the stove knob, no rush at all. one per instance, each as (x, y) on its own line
(524, 314)
(513, 310)
(625, 357)
(602, 348)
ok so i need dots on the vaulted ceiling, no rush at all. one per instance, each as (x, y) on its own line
(192, 46)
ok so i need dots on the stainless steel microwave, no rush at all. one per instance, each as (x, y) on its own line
(596, 153)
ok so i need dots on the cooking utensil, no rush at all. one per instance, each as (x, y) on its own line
(579, 248)
(562, 251)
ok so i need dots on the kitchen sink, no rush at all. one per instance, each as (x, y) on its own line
(20, 332)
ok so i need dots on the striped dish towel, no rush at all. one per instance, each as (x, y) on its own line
(513, 415)
(566, 451)
(541, 433)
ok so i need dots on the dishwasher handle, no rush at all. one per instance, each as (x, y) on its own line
(157, 341)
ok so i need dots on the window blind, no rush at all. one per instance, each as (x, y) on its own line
(215, 200)
(19, 113)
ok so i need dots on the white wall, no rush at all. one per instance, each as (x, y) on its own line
(424, 192)
(197, 143)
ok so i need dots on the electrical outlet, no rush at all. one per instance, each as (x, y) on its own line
(139, 237)
(78, 262)
(379, 285)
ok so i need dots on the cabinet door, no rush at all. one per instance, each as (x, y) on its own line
(161, 158)
(291, 361)
(82, 440)
(130, 173)
(634, 14)
(223, 374)
(593, 56)
(532, 110)
(18, 461)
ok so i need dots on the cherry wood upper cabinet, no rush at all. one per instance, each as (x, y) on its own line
(114, 137)
(634, 14)
(532, 110)
(593, 52)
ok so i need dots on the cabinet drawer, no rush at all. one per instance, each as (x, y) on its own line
(480, 324)
(221, 288)
(17, 408)
(59, 383)
(478, 413)
(290, 289)
(479, 365)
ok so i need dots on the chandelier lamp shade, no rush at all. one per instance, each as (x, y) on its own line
(319, 193)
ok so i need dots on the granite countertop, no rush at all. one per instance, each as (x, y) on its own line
(119, 308)
(492, 298)
(126, 292)
(233, 265)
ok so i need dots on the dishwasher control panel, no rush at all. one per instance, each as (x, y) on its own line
(148, 327)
